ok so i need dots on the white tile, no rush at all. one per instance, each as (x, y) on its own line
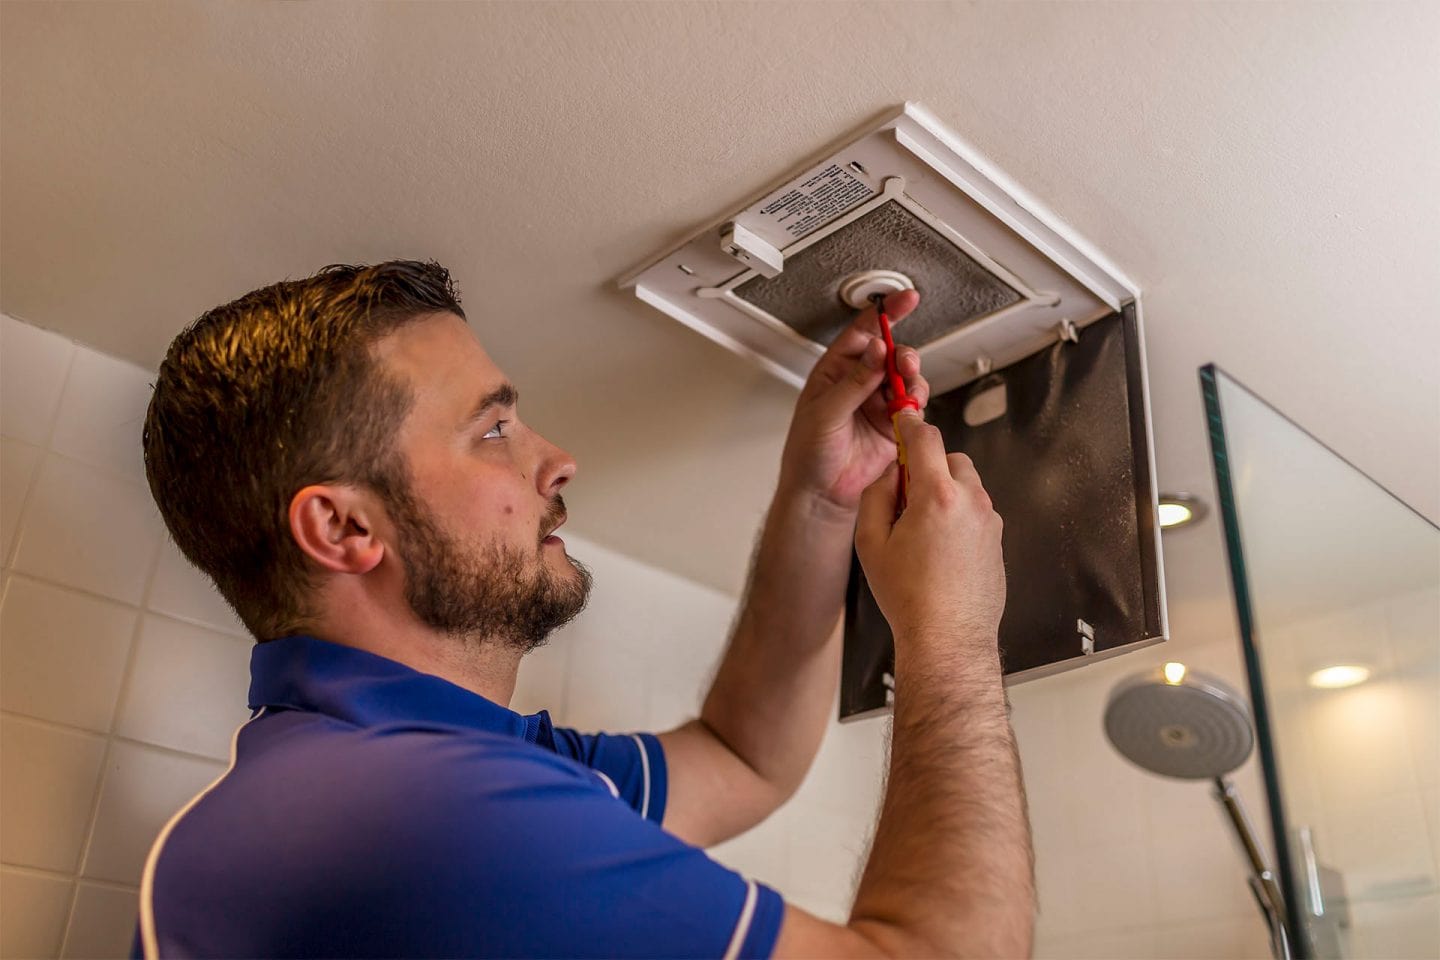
(1199, 868)
(187, 689)
(825, 853)
(103, 925)
(607, 689)
(62, 653)
(90, 529)
(1430, 798)
(823, 907)
(17, 468)
(34, 912)
(1239, 937)
(1364, 733)
(760, 854)
(541, 684)
(182, 591)
(848, 772)
(1380, 845)
(671, 706)
(32, 374)
(1085, 888)
(143, 789)
(102, 413)
(1137, 943)
(1407, 928)
(1413, 622)
(1421, 696)
(46, 793)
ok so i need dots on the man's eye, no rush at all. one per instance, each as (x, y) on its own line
(497, 431)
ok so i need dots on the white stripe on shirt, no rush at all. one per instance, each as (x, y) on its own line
(742, 926)
(645, 768)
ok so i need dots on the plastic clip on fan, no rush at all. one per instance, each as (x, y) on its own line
(899, 400)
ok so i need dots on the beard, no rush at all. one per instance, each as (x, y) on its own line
(496, 592)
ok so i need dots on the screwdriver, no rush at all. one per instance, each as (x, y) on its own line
(899, 399)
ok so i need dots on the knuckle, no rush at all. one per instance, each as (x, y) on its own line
(946, 496)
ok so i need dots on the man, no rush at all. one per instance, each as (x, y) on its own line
(348, 464)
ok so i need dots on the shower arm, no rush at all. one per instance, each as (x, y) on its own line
(1262, 878)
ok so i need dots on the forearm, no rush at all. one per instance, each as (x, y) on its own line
(950, 871)
(771, 698)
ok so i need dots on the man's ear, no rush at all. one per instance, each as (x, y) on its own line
(335, 527)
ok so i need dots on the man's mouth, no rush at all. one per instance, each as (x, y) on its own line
(556, 524)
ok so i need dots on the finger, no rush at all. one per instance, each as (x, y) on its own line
(963, 469)
(877, 511)
(920, 390)
(898, 306)
(839, 400)
(924, 451)
(908, 363)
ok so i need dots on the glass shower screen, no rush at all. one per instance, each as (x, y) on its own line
(1337, 588)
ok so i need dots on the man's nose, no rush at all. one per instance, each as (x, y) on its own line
(556, 468)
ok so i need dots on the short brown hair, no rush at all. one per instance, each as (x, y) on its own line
(269, 393)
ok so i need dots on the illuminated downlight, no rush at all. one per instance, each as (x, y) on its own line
(1174, 673)
(1342, 675)
(1179, 510)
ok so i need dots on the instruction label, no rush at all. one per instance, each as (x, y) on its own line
(816, 200)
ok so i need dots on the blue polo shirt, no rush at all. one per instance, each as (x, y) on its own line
(374, 811)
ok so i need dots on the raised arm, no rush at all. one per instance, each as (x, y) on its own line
(950, 872)
(766, 712)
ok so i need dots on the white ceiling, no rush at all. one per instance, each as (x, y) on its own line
(1268, 173)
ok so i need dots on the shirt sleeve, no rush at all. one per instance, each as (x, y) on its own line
(632, 766)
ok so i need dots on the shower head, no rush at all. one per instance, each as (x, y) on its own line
(1188, 725)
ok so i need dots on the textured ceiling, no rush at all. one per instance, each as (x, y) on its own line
(1266, 172)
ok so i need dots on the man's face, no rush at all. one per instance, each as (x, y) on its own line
(474, 526)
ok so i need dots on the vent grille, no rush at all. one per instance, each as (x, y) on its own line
(954, 289)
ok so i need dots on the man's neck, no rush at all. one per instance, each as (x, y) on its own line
(484, 667)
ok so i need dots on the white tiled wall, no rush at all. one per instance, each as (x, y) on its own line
(122, 674)
(1361, 765)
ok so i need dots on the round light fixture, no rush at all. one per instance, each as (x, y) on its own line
(1340, 675)
(1174, 673)
(1180, 510)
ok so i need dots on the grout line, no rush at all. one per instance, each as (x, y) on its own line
(37, 871)
(118, 738)
(28, 870)
(235, 631)
(52, 724)
(45, 451)
(82, 591)
(126, 676)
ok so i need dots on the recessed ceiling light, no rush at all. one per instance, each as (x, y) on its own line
(1179, 510)
(1174, 673)
(1341, 675)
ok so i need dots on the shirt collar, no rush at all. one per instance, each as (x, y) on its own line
(306, 673)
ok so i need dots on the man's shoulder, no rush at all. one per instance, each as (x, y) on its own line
(286, 753)
(308, 792)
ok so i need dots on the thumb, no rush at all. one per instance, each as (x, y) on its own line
(843, 397)
(877, 511)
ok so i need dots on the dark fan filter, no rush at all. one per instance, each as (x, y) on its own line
(954, 289)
